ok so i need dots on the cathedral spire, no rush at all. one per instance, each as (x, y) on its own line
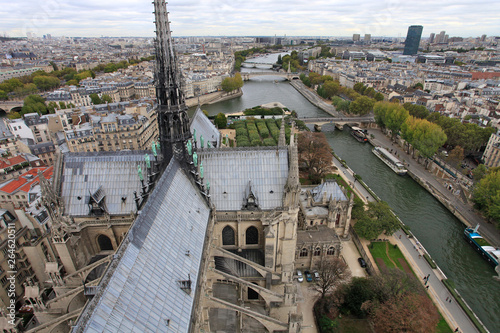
(173, 121)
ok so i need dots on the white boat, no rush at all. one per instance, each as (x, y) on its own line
(391, 161)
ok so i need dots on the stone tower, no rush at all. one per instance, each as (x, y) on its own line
(173, 121)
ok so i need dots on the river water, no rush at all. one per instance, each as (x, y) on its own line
(435, 227)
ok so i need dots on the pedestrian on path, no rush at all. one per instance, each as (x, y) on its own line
(399, 236)
(456, 330)
(450, 300)
(427, 287)
(446, 300)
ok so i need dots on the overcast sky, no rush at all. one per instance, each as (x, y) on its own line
(96, 18)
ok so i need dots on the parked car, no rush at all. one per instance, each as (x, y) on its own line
(308, 275)
(300, 277)
(362, 262)
(316, 275)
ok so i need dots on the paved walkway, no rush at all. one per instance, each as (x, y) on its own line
(313, 97)
(305, 303)
(487, 230)
(448, 306)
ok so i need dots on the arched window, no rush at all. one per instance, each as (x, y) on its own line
(331, 251)
(104, 243)
(252, 236)
(317, 252)
(303, 252)
(228, 236)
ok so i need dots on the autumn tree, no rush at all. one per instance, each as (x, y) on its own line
(332, 272)
(406, 313)
(230, 84)
(315, 155)
(456, 157)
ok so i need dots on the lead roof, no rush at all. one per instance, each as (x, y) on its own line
(140, 292)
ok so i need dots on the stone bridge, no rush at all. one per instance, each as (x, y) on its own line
(287, 76)
(339, 122)
(8, 106)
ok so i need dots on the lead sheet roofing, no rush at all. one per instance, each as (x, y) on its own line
(230, 170)
(116, 172)
(142, 293)
(204, 127)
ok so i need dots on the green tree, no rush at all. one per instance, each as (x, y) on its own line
(54, 66)
(46, 82)
(419, 86)
(62, 105)
(279, 61)
(479, 172)
(106, 99)
(11, 85)
(376, 220)
(486, 196)
(378, 97)
(418, 111)
(3, 95)
(220, 120)
(52, 107)
(331, 88)
(34, 104)
(361, 105)
(95, 99)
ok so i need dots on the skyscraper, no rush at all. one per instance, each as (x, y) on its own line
(431, 38)
(413, 39)
(368, 38)
(356, 37)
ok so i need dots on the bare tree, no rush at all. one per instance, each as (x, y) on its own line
(315, 156)
(332, 272)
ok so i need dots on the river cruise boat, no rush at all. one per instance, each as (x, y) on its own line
(359, 134)
(391, 161)
(490, 253)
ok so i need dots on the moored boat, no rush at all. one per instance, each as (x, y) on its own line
(391, 161)
(359, 134)
(490, 253)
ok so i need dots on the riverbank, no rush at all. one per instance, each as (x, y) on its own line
(212, 98)
(456, 313)
(435, 186)
(314, 99)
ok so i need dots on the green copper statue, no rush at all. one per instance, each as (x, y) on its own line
(139, 172)
(148, 160)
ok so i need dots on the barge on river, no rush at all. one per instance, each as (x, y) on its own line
(490, 253)
(359, 134)
(391, 161)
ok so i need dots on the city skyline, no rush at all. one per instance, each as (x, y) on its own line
(243, 18)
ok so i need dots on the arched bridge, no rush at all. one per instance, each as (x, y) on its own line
(287, 76)
(9, 106)
(339, 122)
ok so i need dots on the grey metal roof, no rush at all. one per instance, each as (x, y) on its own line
(332, 190)
(229, 172)
(116, 172)
(204, 127)
(142, 294)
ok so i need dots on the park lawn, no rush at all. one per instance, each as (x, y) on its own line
(378, 250)
(442, 326)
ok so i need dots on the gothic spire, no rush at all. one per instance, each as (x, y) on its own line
(173, 121)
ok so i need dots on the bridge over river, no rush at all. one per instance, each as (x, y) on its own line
(339, 122)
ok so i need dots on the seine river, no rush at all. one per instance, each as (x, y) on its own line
(436, 228)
